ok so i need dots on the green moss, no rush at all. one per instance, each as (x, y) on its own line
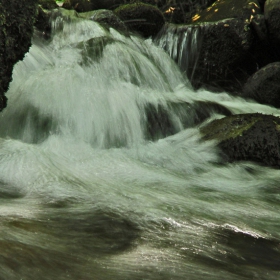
(229, 127)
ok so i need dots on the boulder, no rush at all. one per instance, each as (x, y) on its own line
(264, 85)
(42, 23)
(48, 4)
(182, 11)
(90, 5)
(16, 29)
(253, 137)
(145, 19)
(79, 5)
(223, 9)
(272, 17)
(225, 61)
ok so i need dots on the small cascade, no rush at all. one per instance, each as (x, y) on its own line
(183, 44)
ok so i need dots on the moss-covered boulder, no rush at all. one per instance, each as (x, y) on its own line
(254, 137)
(16, 29)
(145, 19)
(264, 85)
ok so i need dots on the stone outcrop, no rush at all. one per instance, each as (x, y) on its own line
(253, 137)
(225, 60)
(264, 85)
(272, 17)
(16, 28)
(216, 50)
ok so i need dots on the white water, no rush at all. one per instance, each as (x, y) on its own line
(85, 195)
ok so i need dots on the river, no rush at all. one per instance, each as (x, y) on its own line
(91, 189)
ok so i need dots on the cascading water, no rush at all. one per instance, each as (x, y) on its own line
(85, 192)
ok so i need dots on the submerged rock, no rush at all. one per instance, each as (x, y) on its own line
(254, 137)
(147, 20)
(16, 28)
(107, 18)
(264, 85)
(163, 121)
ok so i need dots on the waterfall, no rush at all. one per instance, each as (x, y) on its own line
(103, 174)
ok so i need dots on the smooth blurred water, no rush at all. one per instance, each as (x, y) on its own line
(86, 194)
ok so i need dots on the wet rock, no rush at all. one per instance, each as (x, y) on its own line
(182, 11)
(259, 25)
(272, 17)
(90, 5)
(225, 60)
(48, 4)
(92, 49)
(16, 28)
(223, 9)
(42, 23)
(147, 20)
(264, 85)
(67, 4)
(79, 5)
(163, 121)
(254, 137)
(107, 18)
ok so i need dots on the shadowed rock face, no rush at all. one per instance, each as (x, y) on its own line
(225, 60)
(272, 17)
(264, 85)
(221, 9)
(16, 27)
(254, 137)
(48, 4)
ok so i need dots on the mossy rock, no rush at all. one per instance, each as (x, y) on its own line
(254, 137)
(145, 19)
(16, 29)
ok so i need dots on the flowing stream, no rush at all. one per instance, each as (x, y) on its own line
(94, 186)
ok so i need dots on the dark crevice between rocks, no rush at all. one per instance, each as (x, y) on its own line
(163, 121)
